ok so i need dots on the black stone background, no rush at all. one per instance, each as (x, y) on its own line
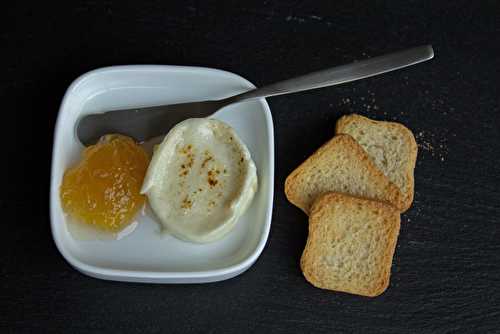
(446, 270)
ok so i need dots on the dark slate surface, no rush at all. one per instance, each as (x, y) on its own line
(446, 269)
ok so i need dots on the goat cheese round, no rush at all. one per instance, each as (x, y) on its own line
(201, 179)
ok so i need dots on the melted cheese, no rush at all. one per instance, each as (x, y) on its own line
(201, 179)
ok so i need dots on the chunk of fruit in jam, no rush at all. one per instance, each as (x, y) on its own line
(103, 189)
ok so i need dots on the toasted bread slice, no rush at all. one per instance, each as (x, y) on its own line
(392, 147)
(350, 245)
(340, 165)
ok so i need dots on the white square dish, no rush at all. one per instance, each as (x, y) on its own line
(145, 255)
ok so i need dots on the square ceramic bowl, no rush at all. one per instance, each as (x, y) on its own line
(145, 255)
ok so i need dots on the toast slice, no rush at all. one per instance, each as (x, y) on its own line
(392, 147)
(340, 165)
(350, 245)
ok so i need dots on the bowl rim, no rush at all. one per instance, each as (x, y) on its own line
(107, 273)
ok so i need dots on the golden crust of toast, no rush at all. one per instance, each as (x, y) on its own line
(340, 165)
(392, 147)
(350, 245)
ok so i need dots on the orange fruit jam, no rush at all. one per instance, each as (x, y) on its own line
(103, 189)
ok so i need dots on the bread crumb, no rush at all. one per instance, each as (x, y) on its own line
(367, 103)
(428, 142)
